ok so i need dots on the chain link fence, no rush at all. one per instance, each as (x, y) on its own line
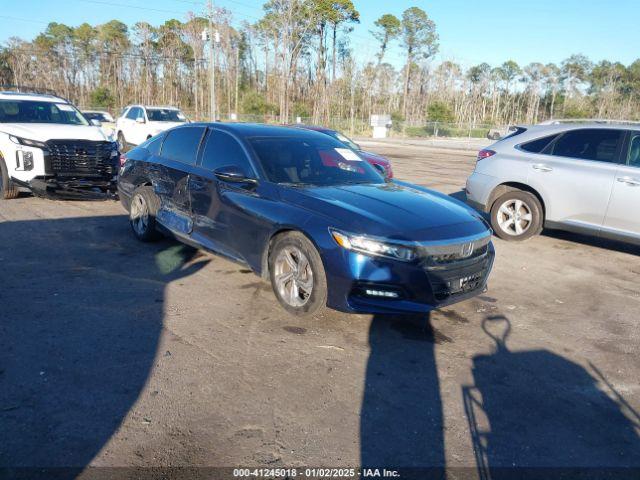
(358, 127)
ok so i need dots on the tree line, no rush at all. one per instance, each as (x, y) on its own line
(298, 60)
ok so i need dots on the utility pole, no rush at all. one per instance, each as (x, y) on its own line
(212, 64)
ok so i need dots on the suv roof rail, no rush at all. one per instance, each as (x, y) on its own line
(558, 121)
(26, 89)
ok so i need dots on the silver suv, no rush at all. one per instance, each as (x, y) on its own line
(578, 177)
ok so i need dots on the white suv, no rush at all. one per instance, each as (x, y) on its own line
(579, 177)
(138, 123)
(48, 147)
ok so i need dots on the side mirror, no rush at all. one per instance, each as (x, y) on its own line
(96, 123)
(382, 171)
(233, 174)
(140, 120)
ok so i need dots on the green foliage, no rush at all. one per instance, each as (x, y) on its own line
(439, 112)
(300, 109)
(102, 97)
(388, 29)
(419, 33)
(255, 103)
(574, 110)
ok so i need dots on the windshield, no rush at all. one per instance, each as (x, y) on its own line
(100, 116)
(347, 141)
(311, 161)
(165, 115)
(29, 111)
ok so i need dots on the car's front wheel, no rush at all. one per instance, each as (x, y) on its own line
(297, 274)
(517, 216)
(142, 214)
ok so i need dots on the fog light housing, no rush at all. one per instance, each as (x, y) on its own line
(24, 160)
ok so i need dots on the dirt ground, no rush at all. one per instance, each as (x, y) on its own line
(118, 353)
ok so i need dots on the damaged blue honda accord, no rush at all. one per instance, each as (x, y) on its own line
(296, 206)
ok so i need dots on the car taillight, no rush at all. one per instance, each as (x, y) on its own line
(123, 159)
(482, 154)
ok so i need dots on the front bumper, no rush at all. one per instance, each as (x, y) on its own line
(83, 188)
(419, 287)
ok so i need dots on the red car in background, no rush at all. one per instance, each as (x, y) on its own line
(372, 158)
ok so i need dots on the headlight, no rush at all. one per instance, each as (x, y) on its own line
(370, 246)
(27, 142)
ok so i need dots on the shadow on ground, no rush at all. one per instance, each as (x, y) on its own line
(81, 315)
(546, 416)
(401, 423)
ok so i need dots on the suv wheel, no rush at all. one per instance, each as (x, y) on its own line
(142, 214)
(7, 189)
(516, 216)
(297, 274)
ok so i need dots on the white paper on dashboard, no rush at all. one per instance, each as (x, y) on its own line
(348, 154)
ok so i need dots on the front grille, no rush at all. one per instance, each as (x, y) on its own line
(442, 256)
(458, 268)
(84, 158)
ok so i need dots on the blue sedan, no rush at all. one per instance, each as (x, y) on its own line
(302, 210)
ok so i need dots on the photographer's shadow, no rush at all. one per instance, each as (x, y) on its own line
(401, 422)
(82, 306)
(534, 409)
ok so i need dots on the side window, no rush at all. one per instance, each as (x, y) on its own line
(153, 144)
(589, 144)
(182, 144)
(223, 150)
(140, 113)
(538, 145)
(132, 113)
(633, 156)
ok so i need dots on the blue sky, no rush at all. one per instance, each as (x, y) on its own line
(471, 31)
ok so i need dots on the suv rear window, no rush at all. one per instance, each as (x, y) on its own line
(539, 144)
(589, 144)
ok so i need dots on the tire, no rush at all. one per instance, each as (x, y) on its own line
(516, 216)
(290, 250)
(7, 189)
(122, 142)
(143, 208)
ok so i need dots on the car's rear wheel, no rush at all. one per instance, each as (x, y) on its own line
(517, 216)
(297, 274)
(7, 189)
(142, 214)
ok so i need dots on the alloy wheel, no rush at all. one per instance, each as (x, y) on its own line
(293, 276)
(514, 217)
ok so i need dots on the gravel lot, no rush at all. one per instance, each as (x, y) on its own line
(117, 353)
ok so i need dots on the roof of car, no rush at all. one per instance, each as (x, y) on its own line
(316, 128)
(35, 97)
(163, 107)
(562, 126)
(260, 129)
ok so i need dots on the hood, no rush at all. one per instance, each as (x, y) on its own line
(391, 210)
(53, 131)
(374, 158)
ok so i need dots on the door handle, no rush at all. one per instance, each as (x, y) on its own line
(632, 182)
(541, 167)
